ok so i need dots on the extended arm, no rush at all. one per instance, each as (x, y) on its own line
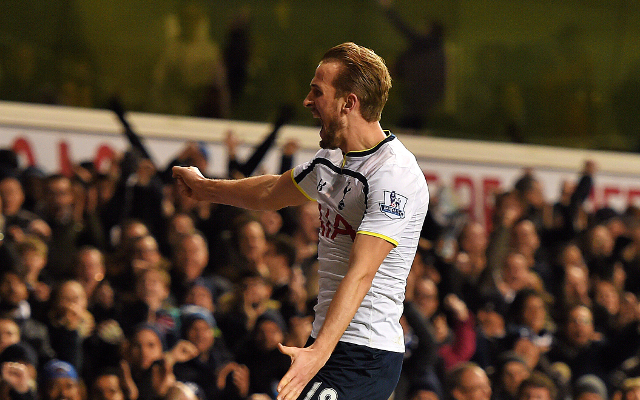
(367, 254)
(265, 192)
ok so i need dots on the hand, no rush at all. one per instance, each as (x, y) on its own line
(189, 152)
(589, 167)
(193, 156)
(510, 215)
(290, 147)
(82, 173)
(221, 381)
(70, 317)
(305, 364)
(162, 377)
(129, 385)
(491, 323)
(110, 332)
(16, 233)
(259, 396)
(455, 304)
(138, 265)
(75, 318)
(183, 351)
(40, 228)
(16, 375)
(241, 380)
(253, 308)
(232, 142)
(189, 180)
(240, 377)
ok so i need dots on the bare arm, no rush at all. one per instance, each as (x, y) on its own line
(367, 254)
(265, 192)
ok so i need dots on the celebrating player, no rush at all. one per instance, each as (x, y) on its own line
(373, 198)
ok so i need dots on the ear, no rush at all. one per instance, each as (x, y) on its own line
(350, 103)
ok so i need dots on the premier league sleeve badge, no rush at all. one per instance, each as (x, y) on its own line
(393, 206)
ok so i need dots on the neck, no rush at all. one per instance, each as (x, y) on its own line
(362, 135)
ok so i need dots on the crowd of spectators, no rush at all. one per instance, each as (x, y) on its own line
(114, 286)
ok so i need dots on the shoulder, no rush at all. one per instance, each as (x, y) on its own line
(329, 158)
(401, 155)
(328, 154)
(394, 161)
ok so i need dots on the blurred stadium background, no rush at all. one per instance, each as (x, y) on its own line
(561, 73)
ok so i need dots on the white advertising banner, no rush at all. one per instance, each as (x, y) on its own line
(53, 138)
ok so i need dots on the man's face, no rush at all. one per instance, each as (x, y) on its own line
(513, 374)
(474, 239)
(9, 333)
(580, 326)
(632, 394)
(192, 257)
(12, 289)
(475, 386)
(200, 296)
(90, 266)
(146, 348)
(201, 335)
(425, 395)
(589, 396)
(152, 289)
(534, 313)
(515, 272)
(255, 291)
(269, 335)
(64, 389)
(310, 221)
(60, 197)
(426, 297)
(253, 243)
(146, 249)
(324, 105)
(12, 196)
(535, 393)
(107, 387)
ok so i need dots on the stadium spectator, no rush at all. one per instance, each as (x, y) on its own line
(69, 322)
(260, 353)
(240, 309)
(69, 231)
(190, 261)
(537, 386)
(152, 305)
(18, 220)
(213, 370)
(60, 379)
(14, 306)
(467, 381)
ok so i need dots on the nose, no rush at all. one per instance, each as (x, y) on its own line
(307, 101)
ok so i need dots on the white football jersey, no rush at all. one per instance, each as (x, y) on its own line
(380, 192)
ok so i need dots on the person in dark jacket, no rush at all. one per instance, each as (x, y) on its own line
(213, 370)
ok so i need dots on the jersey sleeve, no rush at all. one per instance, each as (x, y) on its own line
(395, 195)
(305, 178)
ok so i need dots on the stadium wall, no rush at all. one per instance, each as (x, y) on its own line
(55, 137)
